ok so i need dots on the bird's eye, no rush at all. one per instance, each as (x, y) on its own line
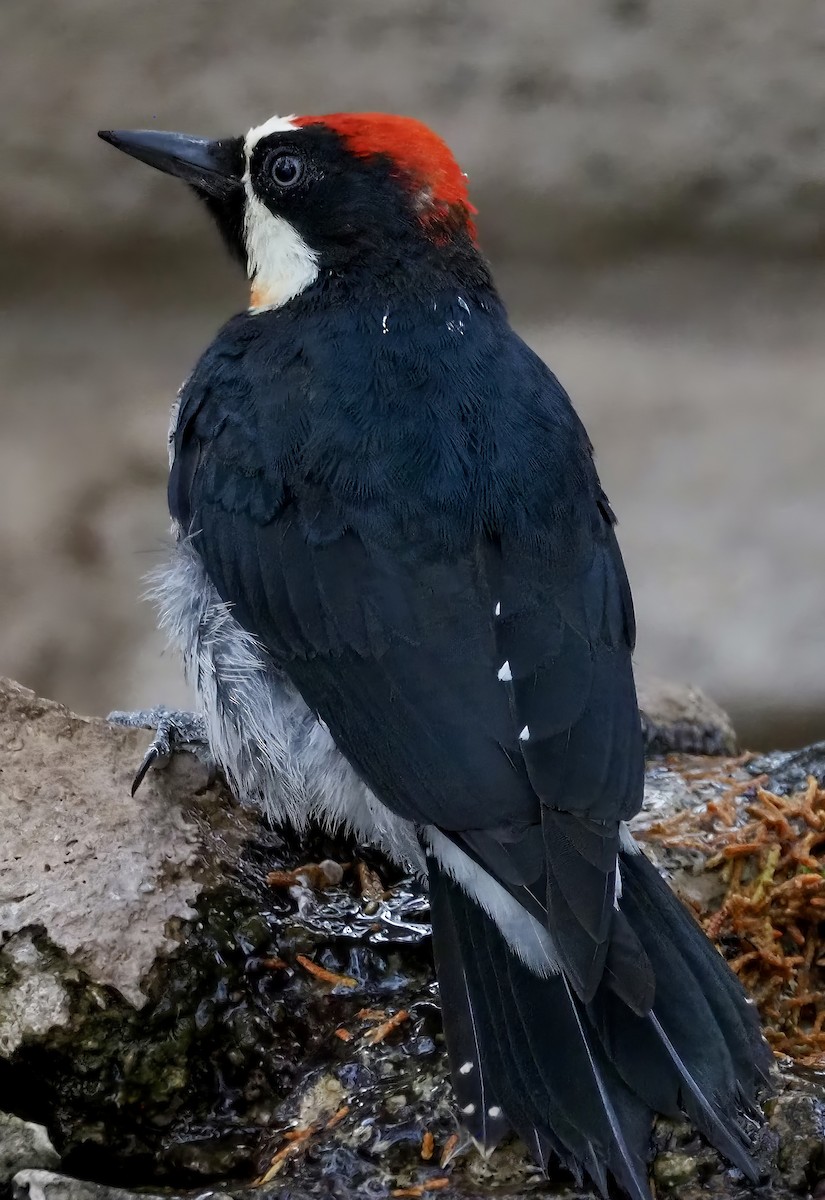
(286, 170)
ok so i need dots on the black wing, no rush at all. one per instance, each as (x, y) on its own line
(474, 669)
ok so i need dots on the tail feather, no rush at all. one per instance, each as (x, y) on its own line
(583, 1081)
(550, 1074)
(725, 1133)
(514, 1067)
(470, 1052)
(605, 1120)
(647, 1063)
(632, 1161)
(683, 958)
(737, 1020)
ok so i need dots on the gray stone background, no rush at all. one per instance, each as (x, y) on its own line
(651, 182)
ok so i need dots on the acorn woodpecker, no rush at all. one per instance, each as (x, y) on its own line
(398, 594)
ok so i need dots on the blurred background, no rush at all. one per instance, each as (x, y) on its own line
(650, 176)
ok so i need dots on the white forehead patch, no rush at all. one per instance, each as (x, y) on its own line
(273, 125)
(279, 262)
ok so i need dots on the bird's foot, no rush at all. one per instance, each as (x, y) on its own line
(175, 730)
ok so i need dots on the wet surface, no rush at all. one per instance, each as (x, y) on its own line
(789, 770)
(294, 1042)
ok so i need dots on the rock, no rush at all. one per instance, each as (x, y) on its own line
(106, 877)
(35, 999)
(673, 1172)
(23, 1145)
(214, 1027)
(45, 1185)
(789, 770)
(622, 122)
(683, 719)
(799, 1113)
(159, 1003)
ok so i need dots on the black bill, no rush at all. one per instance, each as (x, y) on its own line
(213, 167)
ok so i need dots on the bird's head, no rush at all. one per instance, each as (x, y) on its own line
(300, 199)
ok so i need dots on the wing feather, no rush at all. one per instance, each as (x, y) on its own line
(473, 666)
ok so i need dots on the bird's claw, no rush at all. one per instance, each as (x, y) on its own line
(174, 731)
(154, 756)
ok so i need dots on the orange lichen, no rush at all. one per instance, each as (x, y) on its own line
(449, 1149)
(421, 1189)
(372, 887)
(295, 1140)
(383, 1030)
(770, 921)
(320, 972)
(315, 875)
(337, 1117)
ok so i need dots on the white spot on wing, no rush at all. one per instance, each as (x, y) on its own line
(504, 672)
(497, 609)
(384, 325)
(465, 1068)
(464, 305)
(617, 885)
(524, 736)
(494, 1112)
(468, 1110)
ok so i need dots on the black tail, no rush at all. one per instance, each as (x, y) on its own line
(584, 1080)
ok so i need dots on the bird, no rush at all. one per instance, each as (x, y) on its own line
(399, 597)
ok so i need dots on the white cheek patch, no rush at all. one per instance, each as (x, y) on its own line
(279, 262)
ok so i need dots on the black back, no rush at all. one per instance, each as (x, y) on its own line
(396, 496)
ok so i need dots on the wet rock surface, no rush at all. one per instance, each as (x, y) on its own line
(285, 1028)
(23, 1145)
(789, 770)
